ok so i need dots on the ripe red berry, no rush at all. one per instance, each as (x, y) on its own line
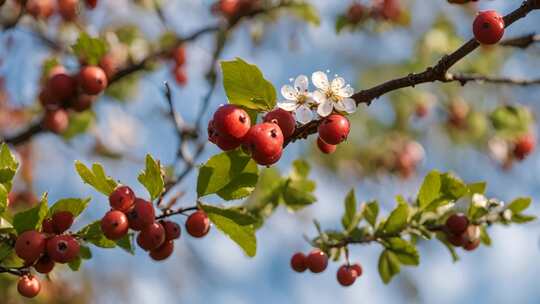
(44, 264)
(47, 100)
(109, 65)
(30, 245)
(198, 224)
(179, 56)
(212, 133)
(82, 102)
(229, 8)
(524, 146)
(63, 248)
(317, 261)
(91, 3)
(389, 10)
(62, 86)
(62, 221)
(298, 262)
(180, 75)
(224, 143)
(151, 237)
(122, 198)
(56, 121)
(162, 252)
(488, 27)
(47, 226)
(471, 245)
(324, 147)
(28, 286)
(284, 119)
(334, 129)
(40, 8)
(346, 275)
(457, 240)
(355, 13)
(114, 225)
(231, 121)
(68, 9)
(265, 143)
(92, 79)
(457, 223)
(142, 215)
(357, 269)
(172, 230)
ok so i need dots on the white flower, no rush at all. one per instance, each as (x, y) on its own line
(479, 200)
(334, 95)
(298, 99)
(507, 214)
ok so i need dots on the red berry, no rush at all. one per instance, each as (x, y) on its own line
(472, 245)
(198, 224)
(231, 121)
(162, 252)
(47, 226)
(179, 56)
(457, 223)
(357, 269)
(109, 65)
(68, 9)
(346, 275)
(457, 240)
(488, 27)
(92, 79)
(30, 245)
(44, 265)
(227, 144)
(334, 129)
(390, 10)
(524, 146)
(229, 8)
(56, 121)
(172, 230)
(91, 3)
(212, 133)
(62, 221)
(83, 102)
(63, 248)
(62, 86)
(40, 8)
(180, 75)
(151, 237)
(421, 110)
(355, 13)
(324, 147)
(122, 198)
(28, 286)
(114, 225)
(265, 143)
(284, 119)
(298, 262)
(317, 261)
(141, 215)
(47, 100)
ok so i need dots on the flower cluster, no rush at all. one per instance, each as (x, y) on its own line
(329, 96)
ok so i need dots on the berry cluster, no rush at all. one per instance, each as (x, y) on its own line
(179, 70)
(67, 9)
(63, 92)
(488, 27)
(157, 237)
(43, 249)
(317, 261)
(234, 9)
(389, 10)
(461, 233)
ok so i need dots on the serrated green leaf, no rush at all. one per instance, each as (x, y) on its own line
(388, 266)
(152, 178)
(79, 123)
(519, 205)
(349, 216)
(371, 211)
(430, 189)
(240, 187)
(75, 264)
(245, 86)
(126, 243)
(406, 252)
(96, 177)
(92, 233)
(8, 166)
(234, 228)
(31, 219)
(88, 49)
(452, 187)
(397, 220)
(237, 215)
(74, 205)
(306, 12)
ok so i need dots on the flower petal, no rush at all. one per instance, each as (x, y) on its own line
(320, 80)
(303, 114)
(301, 83)
(318, 97)
(289, 92)
(325, 108)
(287, 105)
(349, 104)
(337, 84)
(338, 105)
(345, 92)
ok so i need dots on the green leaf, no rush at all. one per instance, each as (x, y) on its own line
(301, 169)
(152, 178)
(371, 211)
(74, 205)
(230, 174)
(8, 166)
(341, 23)
(75, 264)
(234, 226)
(349, 216)
(406, 252)
(452, 187)
(126, 243)
(430, 189)
(522, 218)
(78, 124)
(519, 205)
(237, 215)
(88, 49)
(245, 86)
(85, 253)
(397, 221)
(479, 188)
(306, 12)
(92, 233)
(3, 199)
(5, 251)
(297, 194)
(31, 219)
(484, 236)
(96, 177)
(388, 266)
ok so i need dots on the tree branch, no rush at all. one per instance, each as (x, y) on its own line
(14, 271)
(465, 78)
(521, 42)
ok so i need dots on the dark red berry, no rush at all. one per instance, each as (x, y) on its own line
(122, 198)
(298, 262)
(30, 245)
(488, 27)
(114, 225)
(524, 146)
(91, 4)
(40, 9)
(227, 144)
(83, 102)
(56, 121)
(109, 64)
(172, 230)
(47, 226)
(324, 147)
(162, 252)
(346, 275)
(317, 261)
(230, 121)
(151, 237)
(198, 224)
(284, 119)
(63, 248)
(44, 265)
(68, 9)
(62, 221)
(355, 13)
(92, 79)
(28, 286)
(472, 245)
(265, 143)
(457, 223)
(62, 86)
(334, 129)
(357, 269)
(142, 215)
(456, 240)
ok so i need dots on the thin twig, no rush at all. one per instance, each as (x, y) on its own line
(465, 78)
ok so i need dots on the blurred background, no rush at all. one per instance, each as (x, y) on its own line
(130, 121)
